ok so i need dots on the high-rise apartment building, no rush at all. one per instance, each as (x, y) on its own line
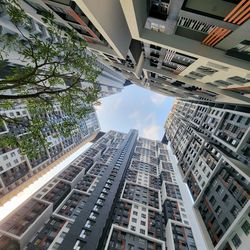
(16, 168)
(109, 81)
(121, 193)
(188, 49)
(212, 144)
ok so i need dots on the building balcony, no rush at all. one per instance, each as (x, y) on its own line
(173, 191)
(15, 173)
(171, 211)
(166, 176)
(91, 153)
(5, 150)
(70, 173)
(122, 214)
(39, 159)
(183, 237)
(7, 243)
(121, 238)
(24, 217)
(86, 163)
(193, 186)
(85, 183)
(98, 169)
(47, 234)
(73, 205)
(57, 194)
(167, 166)
(131, 175)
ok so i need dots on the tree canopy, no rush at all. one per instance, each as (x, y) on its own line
(47, 72)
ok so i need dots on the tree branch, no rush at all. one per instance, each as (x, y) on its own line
(25, 96)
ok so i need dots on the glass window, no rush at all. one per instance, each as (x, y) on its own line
(234, 211)
(56, 246)
(5, 157)
(131, 247)
(218, 189)
(142, 241)
(212, 200)
(236, 240)
(134, 220)
(226, 223)
(62, 235)
(246, 227)
(225, 198)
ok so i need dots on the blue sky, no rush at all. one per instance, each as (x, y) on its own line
(135, 107)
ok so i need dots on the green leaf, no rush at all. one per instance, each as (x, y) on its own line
(49, 76)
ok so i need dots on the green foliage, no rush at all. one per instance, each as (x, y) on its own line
(51, 74)
(8, 141)
(16, 14)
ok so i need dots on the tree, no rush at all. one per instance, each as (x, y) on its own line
(51, 72)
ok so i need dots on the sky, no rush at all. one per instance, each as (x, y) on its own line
(135, 108)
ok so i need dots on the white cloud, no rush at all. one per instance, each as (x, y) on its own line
(152, 132)
(150, 117)
(116, 105)
(135, 115)
(158, 99)
(150, 129)
(112, 107)
(147, 125)
(139, 122)
(131, 110)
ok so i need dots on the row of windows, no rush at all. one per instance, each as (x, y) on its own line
(236, 239)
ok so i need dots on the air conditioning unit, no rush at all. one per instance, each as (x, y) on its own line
(163, 5)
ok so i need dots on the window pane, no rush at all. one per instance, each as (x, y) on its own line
(246, 227)
(236, 240)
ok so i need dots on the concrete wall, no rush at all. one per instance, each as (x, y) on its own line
(109, 19)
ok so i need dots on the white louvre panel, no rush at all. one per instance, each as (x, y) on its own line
(194, 24)
(169, 55)
(180, 68)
